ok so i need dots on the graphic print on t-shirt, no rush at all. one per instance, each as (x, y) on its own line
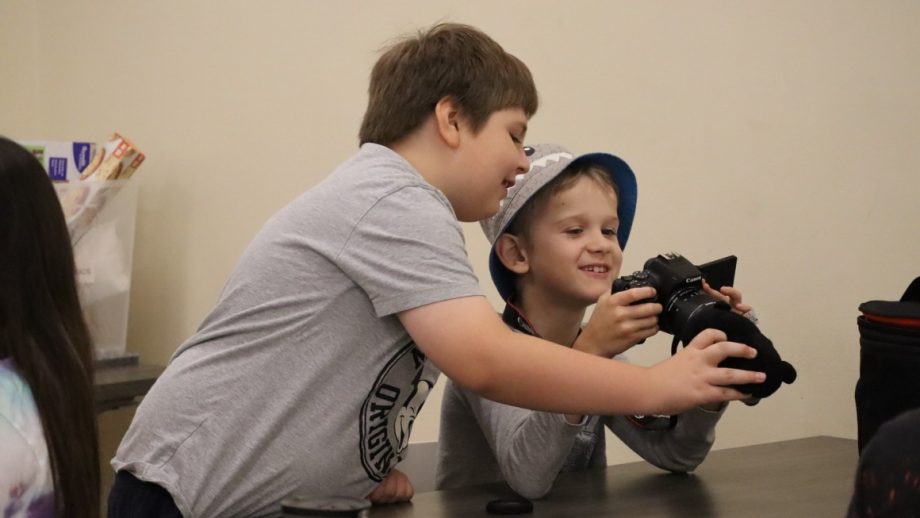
(390, 409)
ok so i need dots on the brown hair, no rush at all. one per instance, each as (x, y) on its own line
(42, 328)
(449, 60)
(520, 225)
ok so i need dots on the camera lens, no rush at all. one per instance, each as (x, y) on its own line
(680, 309)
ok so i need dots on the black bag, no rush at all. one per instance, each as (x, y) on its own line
(889, 361)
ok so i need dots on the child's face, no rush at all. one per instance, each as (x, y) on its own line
(487, 164)
(572, 246)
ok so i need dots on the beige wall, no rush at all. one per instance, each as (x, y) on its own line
(780, 131)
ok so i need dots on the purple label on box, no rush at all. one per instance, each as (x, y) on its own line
(57, 168)
(81, 156)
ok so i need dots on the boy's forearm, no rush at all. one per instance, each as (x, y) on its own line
(587, 344)
(557, 379)
(470, 344)
(681, 449)
(530, 447)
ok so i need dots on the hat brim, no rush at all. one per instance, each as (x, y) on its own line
(627, 194)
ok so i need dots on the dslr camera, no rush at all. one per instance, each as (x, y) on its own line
(679, 287)
(687, 310)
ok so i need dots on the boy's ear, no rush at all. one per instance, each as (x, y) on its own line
(510, 251)
(447, 116)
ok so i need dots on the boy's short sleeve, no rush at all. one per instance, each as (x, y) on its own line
(407, 251)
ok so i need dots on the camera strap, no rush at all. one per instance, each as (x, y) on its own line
(674, 343)
(514, 318)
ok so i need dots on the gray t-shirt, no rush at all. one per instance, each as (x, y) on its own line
(302, 381)
(484, 441)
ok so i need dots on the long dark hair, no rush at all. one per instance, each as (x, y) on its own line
(42, 329)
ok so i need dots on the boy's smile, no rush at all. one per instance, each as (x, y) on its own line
(599, 269)
(572, 246)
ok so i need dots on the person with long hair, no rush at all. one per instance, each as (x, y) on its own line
(49, 451)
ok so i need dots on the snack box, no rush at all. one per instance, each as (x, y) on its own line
(117, 160)
(65, 161)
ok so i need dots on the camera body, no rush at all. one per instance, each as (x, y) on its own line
(679, 289)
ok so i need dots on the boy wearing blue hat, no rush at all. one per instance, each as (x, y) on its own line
(557, 245)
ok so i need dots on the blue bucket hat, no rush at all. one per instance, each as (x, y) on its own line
(546, 162)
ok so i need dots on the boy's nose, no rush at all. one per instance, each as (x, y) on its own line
(600, 243)
(523, 164)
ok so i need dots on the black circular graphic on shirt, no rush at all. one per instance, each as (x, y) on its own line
(389, 411)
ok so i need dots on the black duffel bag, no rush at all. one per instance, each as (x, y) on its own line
(889, 361)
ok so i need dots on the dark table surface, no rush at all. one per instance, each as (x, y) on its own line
(810, 477)
(122, 385)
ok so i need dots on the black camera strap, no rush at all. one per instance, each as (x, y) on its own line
(674, 343)
(515, 319)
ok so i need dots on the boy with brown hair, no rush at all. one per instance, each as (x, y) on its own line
(306, 377)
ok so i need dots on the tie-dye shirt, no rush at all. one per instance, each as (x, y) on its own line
(26, 482)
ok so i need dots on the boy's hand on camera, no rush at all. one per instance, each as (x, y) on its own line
(692, 376)
(617, 323)
(395, 488)
(730, 295)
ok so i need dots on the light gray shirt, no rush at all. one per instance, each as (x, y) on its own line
(302, 381)
(484, 441)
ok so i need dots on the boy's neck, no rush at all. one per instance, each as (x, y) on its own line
(427, 154)
(553, 321)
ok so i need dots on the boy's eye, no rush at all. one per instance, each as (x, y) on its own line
(610, 232)
(573, 231)
(516, 139)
